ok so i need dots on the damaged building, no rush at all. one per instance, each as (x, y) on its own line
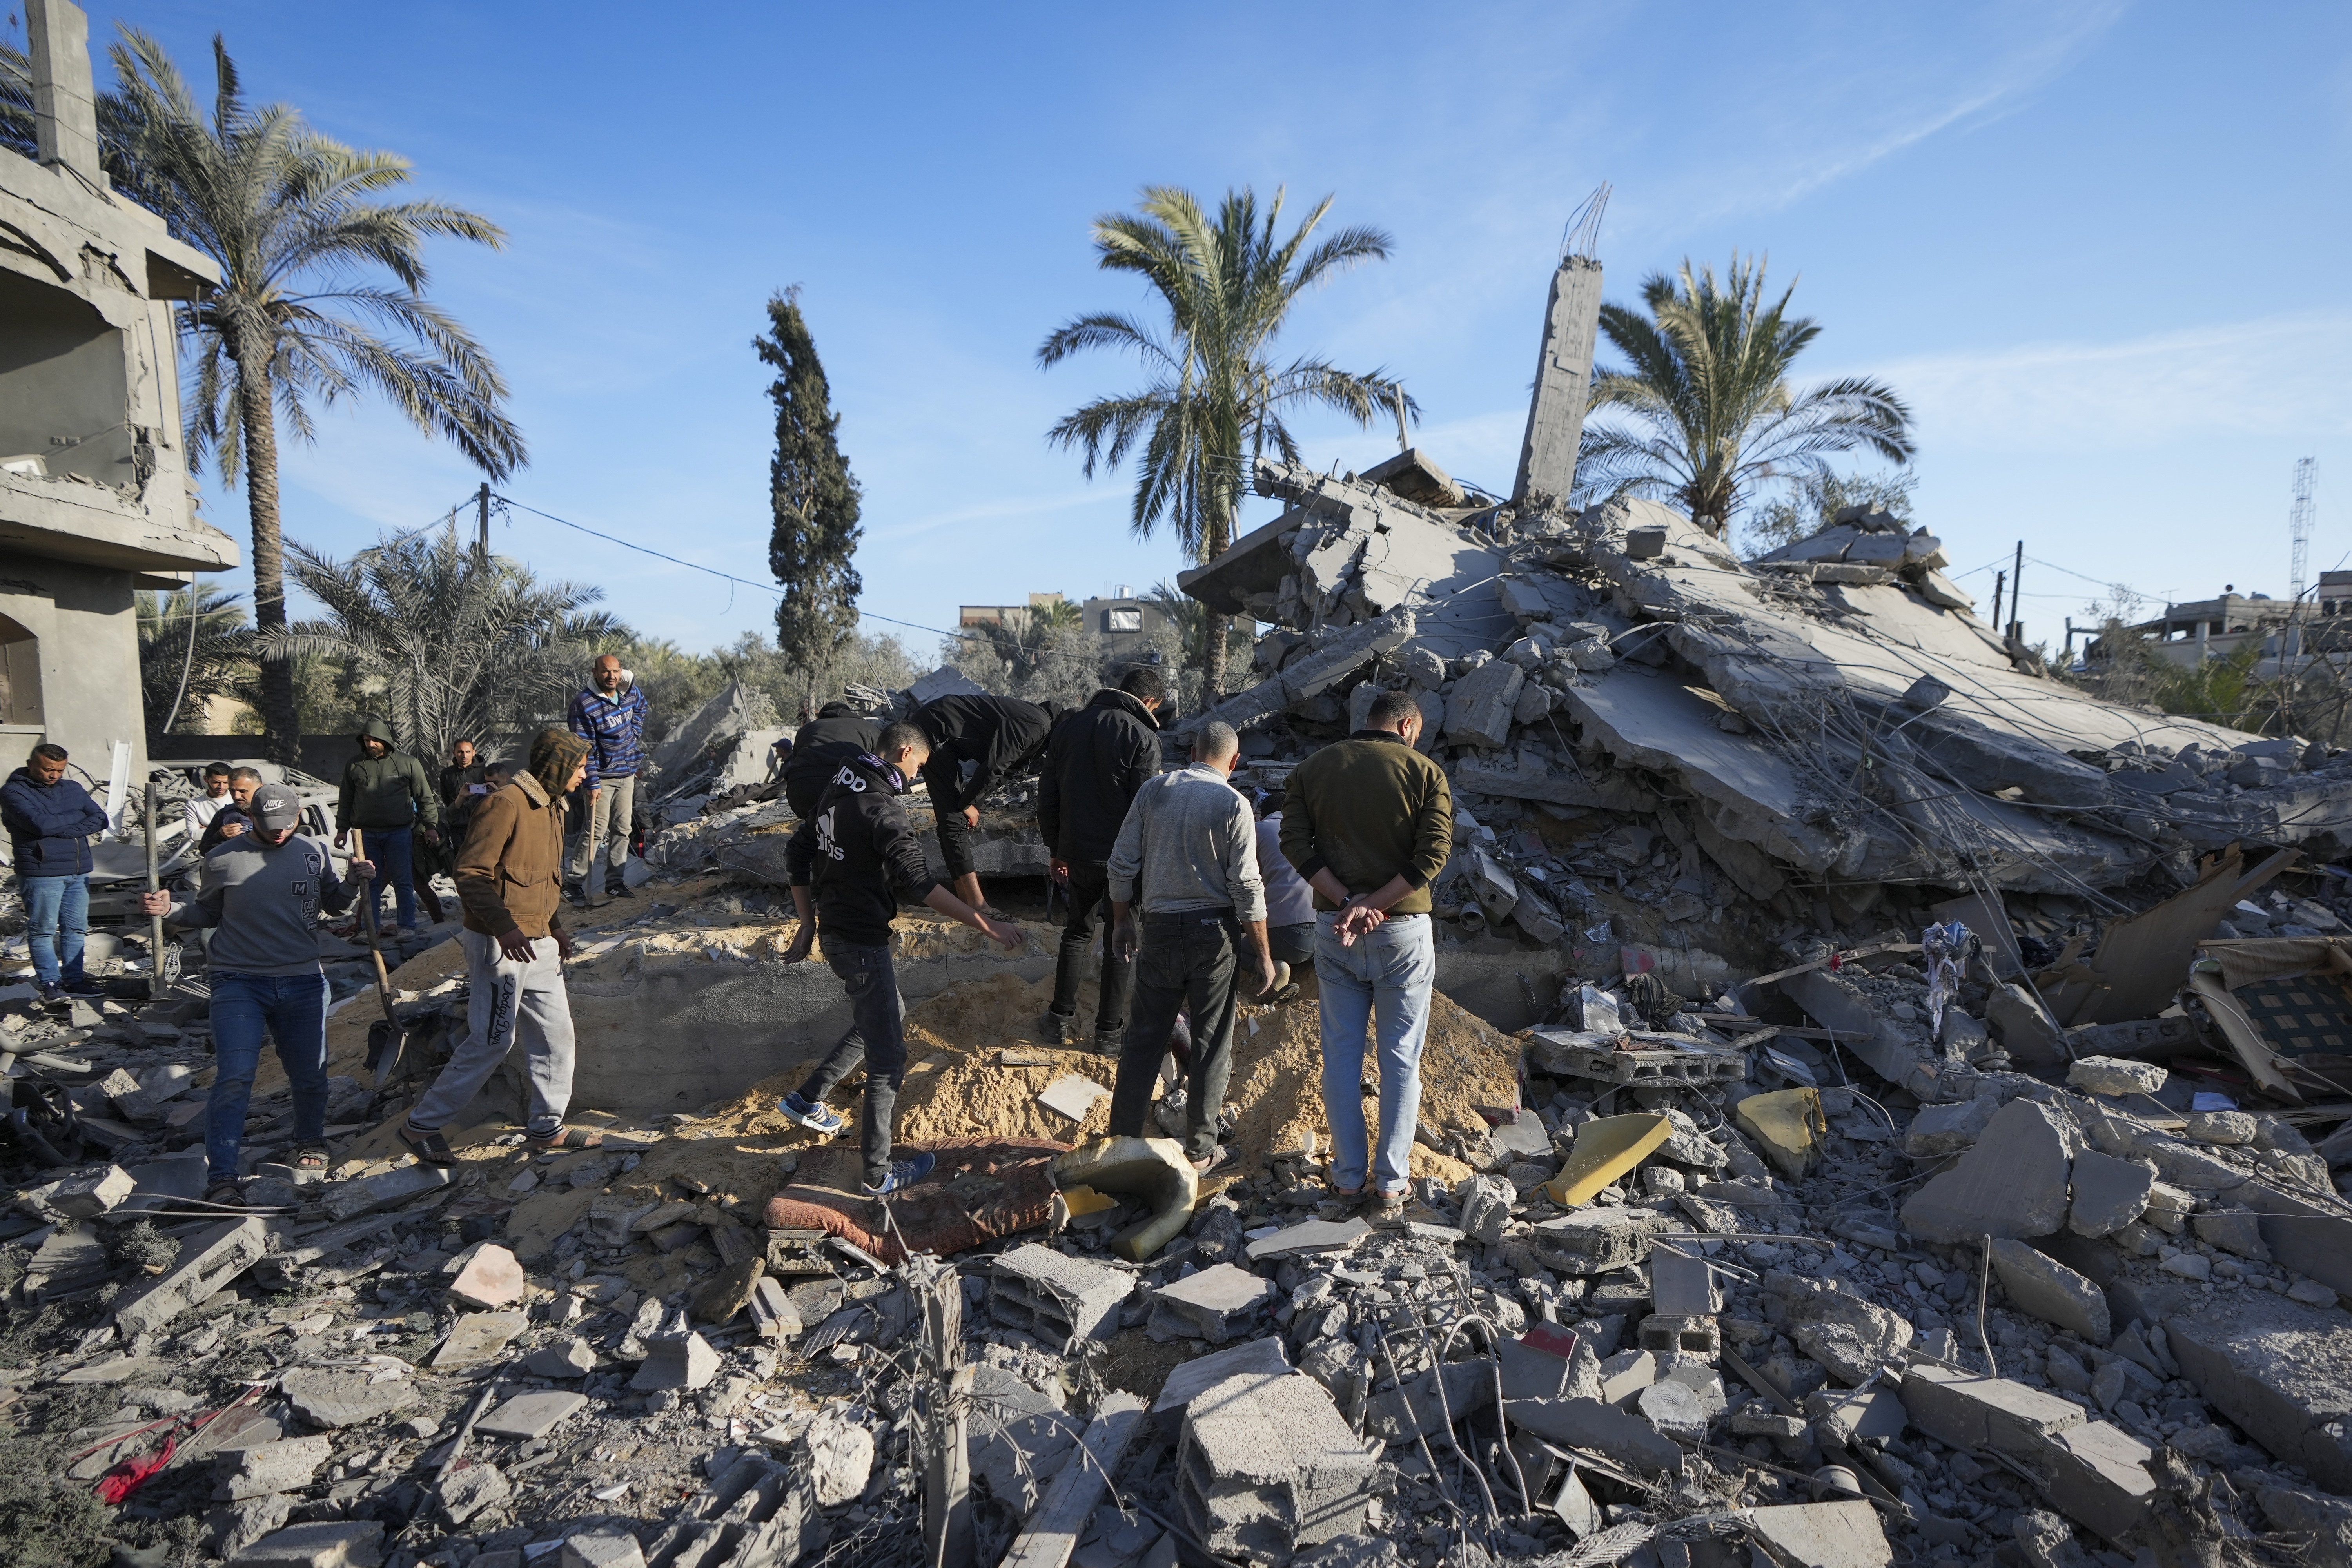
(95, 501)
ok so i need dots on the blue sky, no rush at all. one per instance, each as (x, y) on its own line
(2088, 241)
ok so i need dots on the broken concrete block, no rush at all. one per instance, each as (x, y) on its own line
(1479, 710)
(529, 1415)
(1675, 1411)
(2108, 1192)
(1313, 1237)
(281, 1466)
(2280, 1371)
(838, 1456)
(2233, 1230)
(467, 1491)
(2168, 1208)
(1853, 1415)
(686, 1361)
(1788, 1126)
(570, 1356)
(208, 1260)
(88, 1193)
(2120, 1380)
(1187, 1380)
(2096, 1474)
(720, 1297)
(2024, 1027)
(2012, 1183)
(1939, 1130)
(600, 1549)
(1265, 1468)
(324, 1397)
(2039, 1285)
(773, 1311)
(2232, 1129)
(612, 1216)
(491, 1278)
(326, 1543)
(1597, 1241)
(2185, 1165)
(2115, 1075)
(1851, 1337)
(1486, 1207)
(366, 1194)
(1626, 1373)
(1215, 1305)
(1606, 1148)
(1681, 1283)
(238, 1525)
(1972, 1412)
(479, 1337)
(1398, 1415)
(1062, 1302)
(1603, 1428)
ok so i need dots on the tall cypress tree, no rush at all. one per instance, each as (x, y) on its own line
(815, 499)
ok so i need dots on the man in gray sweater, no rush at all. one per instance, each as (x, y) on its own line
(1192, 841)
(263, 892)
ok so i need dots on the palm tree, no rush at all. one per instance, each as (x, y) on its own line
(194, 644)
(1709, 411)
(441, 643)
(294, 221)
(1215, 398)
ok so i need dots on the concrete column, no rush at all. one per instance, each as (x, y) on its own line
(65, 108)
(1563, 382)
(2202, 627)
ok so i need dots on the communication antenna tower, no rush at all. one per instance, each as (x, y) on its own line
(2299, 523)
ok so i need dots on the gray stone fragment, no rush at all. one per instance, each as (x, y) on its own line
(324, 1397)
(1188, 1379)
(1062, 1302)
(600, 1549)
(2024, 1027)
(2280, 1371)
(466, 1492)
(327, 1543)
(238, 1525)
(280, 1467)
(366, 1194)
(477, 1338)
(2108, 1192)
(1939, 1130)
(1675, 1410)
(88, 1193)
(1844, 1534)
(2115, 1075)
(2039, 1285)
(1479, 710)
(1265, 1466)
(685, 1362)
(2233, 1230)
(1682, 1285)
(1308, 1238)
(1851, 1337)
(1597, 1241)
(2012, 1183)
(2230, 1128)
(208, 1260)
(1603, 1428)
(1486, 1207)
(529, 1415)
(1216, 1304)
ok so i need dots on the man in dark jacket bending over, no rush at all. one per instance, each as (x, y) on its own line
(999, 736)
(850, 862)
(1097, 761)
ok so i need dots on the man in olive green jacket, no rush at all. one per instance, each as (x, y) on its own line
(1369, 822)
(389, 799)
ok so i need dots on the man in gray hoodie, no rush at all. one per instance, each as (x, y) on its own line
(262, 894)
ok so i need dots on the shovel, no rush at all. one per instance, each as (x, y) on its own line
(386, 1040)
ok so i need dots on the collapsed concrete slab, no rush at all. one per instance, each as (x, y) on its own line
(2280, 1371)
(2012, 1183)
(1265, 1466)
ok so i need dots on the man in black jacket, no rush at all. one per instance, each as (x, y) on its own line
(1098, 759)
(836, 734)
(998, 736)
(850, 862)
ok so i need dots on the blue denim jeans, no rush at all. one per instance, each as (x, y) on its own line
(391, 849)
(877, 1040)
(56, 918)
(293, 1009)
(1383, 983)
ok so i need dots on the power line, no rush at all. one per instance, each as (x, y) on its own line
(712, 571)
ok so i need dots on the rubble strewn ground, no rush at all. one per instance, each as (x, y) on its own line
(1803, 1226)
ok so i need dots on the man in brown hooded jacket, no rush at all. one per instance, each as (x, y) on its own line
(510, 878)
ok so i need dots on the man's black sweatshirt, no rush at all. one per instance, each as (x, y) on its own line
(857, 854)
(1002, 734)
(835, 735)
(1099, 759)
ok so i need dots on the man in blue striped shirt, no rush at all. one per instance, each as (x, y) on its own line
(610, 715)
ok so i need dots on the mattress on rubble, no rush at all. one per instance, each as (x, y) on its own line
(983, 1188)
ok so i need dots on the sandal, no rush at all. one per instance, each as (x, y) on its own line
(568, 1138)
(429, 1147)
(311, 1157)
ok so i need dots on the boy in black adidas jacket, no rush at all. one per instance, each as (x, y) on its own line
(850, 862)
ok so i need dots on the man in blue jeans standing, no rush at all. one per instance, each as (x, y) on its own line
(49, 819)
(1369, 822)
(850, 861)
(387, 797)
(262, 894)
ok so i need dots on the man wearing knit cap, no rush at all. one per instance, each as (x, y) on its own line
(509, 879)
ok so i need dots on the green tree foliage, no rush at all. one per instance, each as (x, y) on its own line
(1704, 411)
(1813, 500)
(1215, 397)
(441, 643)
(193, 646)
(816, 501)
(296, 223)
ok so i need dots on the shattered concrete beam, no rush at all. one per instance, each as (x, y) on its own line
(1313, 673)
(1563, 382)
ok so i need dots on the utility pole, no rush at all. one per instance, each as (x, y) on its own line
(482, 511)
(2000, 580)
(2016, 593)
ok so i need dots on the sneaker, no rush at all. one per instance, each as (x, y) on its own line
(815, 1117)
(620, 890)
(1110, 1044)
(576, 893)
(904, 1174)
(53, 996)
(1056, 1030)
(84, 985)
